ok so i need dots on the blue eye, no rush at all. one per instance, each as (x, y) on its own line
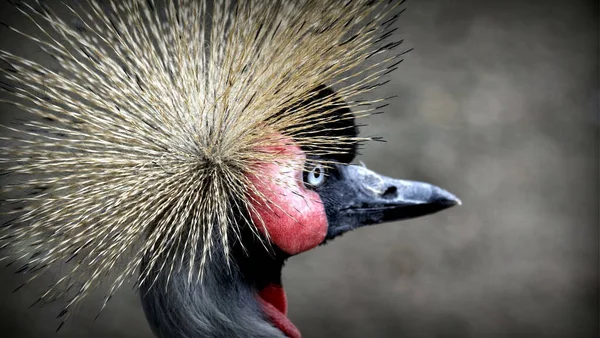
(316, 177)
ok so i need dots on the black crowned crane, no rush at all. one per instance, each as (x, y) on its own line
(247, 299)
(195, 146)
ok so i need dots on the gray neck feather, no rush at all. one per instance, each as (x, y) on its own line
(222, 305)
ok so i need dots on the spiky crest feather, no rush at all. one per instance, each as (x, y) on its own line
(146, 134)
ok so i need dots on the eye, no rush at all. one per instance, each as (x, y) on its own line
(315, 177)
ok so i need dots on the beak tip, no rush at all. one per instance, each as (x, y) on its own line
(446, 198)
(455, 202)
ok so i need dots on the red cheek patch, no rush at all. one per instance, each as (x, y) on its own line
(293, 216)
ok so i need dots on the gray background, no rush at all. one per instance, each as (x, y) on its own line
(498, 104)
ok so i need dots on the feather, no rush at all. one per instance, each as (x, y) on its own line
(156, 115)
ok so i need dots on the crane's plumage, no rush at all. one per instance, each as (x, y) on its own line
(168, 143)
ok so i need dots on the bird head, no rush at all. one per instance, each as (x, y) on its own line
(311, 200)
(193, 146)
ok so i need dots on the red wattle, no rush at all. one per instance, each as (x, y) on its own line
(275, 295)
(274, 304)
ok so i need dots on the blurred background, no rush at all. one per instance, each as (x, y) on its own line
(498, 103)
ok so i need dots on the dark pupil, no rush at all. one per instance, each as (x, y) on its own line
(317, 172)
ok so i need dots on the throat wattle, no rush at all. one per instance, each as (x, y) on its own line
(274, 304)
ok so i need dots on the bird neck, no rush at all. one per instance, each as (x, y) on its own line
(227, 302)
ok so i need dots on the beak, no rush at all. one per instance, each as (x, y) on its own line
(363, 197)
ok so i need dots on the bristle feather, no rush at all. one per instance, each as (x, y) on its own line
(145, 135)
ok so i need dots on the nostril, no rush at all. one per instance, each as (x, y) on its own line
(390, 192)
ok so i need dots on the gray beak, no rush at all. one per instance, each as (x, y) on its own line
(359, 196)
